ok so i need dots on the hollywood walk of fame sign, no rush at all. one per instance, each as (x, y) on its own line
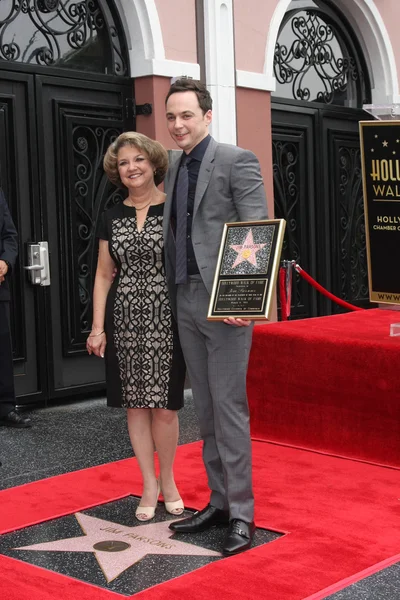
(380, 152)
(247, 269)
(118, 547)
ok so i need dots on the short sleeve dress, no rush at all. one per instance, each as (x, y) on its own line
(145, 367)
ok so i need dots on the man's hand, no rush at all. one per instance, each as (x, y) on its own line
(3, 269)
(237, 322)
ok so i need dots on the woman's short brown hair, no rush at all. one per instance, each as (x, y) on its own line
(156, 153)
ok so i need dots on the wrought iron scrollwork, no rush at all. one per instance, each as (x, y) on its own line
(92, 194)
(286, 194)
(353, 253)
(48, 5)
(317, 64)
(63, 33)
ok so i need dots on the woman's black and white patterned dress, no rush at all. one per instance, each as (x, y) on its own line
(144, 361)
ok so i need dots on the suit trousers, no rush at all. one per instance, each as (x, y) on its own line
(7, 391)
(217, 356)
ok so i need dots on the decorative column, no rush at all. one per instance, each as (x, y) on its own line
(220, 67)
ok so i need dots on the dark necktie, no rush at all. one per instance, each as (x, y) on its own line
(182, 190)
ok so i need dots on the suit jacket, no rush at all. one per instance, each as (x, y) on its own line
(8, 244)
(229, 189)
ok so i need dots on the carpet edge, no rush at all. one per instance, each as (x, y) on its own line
(325, 453)
(348, 581)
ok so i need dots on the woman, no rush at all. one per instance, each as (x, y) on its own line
(133, 326)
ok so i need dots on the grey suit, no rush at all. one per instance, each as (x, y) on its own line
(229, 188)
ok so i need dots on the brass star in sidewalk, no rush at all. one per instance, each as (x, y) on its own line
(118, 547)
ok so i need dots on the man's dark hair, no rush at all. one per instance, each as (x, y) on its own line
(185, 84)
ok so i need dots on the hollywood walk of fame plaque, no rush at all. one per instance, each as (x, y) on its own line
(247, 270)
(380, 161)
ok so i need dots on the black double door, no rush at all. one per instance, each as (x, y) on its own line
(54, 132)
(318, 190)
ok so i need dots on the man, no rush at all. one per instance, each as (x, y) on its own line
(211, 184)
(8, 255)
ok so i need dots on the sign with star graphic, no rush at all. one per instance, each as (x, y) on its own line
(380, 152)
(247, 269)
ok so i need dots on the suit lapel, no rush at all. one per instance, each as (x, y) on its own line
(206, 169)
(169, 190)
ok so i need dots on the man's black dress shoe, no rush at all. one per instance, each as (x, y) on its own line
(15, 419)
(239, 537)
(202, 520)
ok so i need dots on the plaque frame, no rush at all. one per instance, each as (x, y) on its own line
(260, 283)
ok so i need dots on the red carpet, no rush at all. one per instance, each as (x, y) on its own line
(330, 383)
(342, 517)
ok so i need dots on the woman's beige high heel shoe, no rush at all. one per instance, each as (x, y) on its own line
(175, 508)
(146, 513)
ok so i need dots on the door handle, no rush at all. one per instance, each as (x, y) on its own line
(34, 268)
(38, 267)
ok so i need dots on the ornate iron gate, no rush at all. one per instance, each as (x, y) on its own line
(322, 85)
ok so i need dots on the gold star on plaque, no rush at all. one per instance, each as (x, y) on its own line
(385, 144)
(394, 152)
(372, 150)
(376, 135)
(397, 141)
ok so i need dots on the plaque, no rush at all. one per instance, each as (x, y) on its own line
(247, 269)
(380, 152)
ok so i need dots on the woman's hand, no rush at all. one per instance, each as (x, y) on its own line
(96, 343)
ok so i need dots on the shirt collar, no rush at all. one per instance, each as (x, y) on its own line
(198, 151)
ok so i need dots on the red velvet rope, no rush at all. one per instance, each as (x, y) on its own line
(282, 292)
(323, 291)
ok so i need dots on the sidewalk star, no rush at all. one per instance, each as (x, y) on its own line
(118, 547)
